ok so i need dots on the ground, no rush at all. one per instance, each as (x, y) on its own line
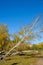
(18, 60)
(39, 62)
(23, 60)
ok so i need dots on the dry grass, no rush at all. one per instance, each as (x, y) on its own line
(18, 60)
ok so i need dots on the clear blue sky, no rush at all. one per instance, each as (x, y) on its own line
(16, 13)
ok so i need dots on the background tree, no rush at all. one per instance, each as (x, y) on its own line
(16, 39)
(4, 35)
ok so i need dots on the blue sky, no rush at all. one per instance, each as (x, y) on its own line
(16, 13)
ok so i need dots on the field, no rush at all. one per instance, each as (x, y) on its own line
(28, 59)
(18, 60)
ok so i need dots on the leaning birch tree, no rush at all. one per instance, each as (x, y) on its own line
(29, 32)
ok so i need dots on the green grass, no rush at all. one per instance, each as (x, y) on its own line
(18, 60)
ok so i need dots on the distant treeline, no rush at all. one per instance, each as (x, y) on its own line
(6, 43)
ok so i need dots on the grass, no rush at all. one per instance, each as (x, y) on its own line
(18, 60)
(21, 59)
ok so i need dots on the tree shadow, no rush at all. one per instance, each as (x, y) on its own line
(14, 63)
(37, 56)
